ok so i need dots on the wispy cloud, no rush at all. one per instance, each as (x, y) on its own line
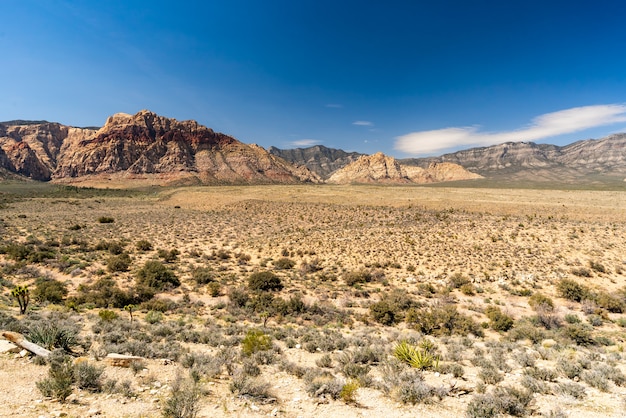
(334, 105)
(304, 142)
(362, 123)
(544, 126)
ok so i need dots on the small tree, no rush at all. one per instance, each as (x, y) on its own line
(21, 294)
(130, 309)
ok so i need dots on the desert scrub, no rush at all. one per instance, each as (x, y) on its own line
(143, 245)
(284, 263)
(88, 376)
(49, 290)
(503, 400)
(251, 387)
(571, 290)
(358, 276)
(155, 275)
(106, 220)
(498, 320)
(183, 400)
(203, 275)
(541, 301)
(348, 391)
(442, 319)
(322, 384)
(255, 341)
(264, 281)
(118, 263)
(60, 378)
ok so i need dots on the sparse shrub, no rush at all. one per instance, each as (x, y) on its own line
(143, 245)
(571, 290)
(442, 320)
(572, 319)
(49, 290)
(107, 315)
(541, 301)
(610, 302)
(572, 389)
(503, 400)
(88, 376)
(468, 289)
(154, 317)
(455, 369)
(358, 276)
(348, 391)
(490, 375)
(168, 256)
(106, 293)
(183, 400)
(596, 266)
(596, 379)
(284, 263)
(322, 384)
(60, 378)
(106, 220)
(248, 387)
(215, 289)
(569, 367)
(238, 297)
(457, 280)
(255, 341)
(499, 321)
(203, 275)
(264, 281)
(325, 361)
(548, 375)
(119, 262)
(581, 272)
(579, 333)
(383, 312)
(156, 276)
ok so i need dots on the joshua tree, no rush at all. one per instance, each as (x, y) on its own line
(130, 309)
(21, 294)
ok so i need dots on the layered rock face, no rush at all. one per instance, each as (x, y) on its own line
(319, 159)
(527, 160)
(379, 168)
(141, 145)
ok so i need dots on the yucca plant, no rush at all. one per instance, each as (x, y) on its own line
(403, 351)
(420, 358)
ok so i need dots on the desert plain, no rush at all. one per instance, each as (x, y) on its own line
(315, 301)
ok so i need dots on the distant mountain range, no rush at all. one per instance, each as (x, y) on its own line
(165, 151)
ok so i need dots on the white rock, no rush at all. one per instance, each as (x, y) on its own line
(8, 347)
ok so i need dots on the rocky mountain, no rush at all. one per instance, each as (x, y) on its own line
(530, 161)
(379, 168)
(319, 159)
(139, 146)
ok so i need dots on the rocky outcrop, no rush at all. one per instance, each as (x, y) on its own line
(530, 161)
(379, 168)
(138, 146)
(319, 159)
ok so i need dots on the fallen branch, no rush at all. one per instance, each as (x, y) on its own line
(18, 339)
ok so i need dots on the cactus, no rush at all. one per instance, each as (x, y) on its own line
(21, 294)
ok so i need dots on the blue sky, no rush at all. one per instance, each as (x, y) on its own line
(409, 78)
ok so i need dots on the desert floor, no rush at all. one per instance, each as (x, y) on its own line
(362, 270)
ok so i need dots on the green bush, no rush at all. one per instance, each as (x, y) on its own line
(168, 256)
(203, 275)
(579, 333)
(49, 290)
(106, 293)
(255, 341)
(107, 315)
(264, 281)
(457, 280)
(155, 275)
(384, 313)
(571, 290)
(154, 317)
(118, 263)
(499, 321)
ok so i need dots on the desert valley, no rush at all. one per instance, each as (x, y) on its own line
(235, 281)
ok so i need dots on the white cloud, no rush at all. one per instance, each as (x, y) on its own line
(362, 123)
(544, 126)
(305, 142)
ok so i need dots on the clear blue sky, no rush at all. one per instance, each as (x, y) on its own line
(402, 77)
